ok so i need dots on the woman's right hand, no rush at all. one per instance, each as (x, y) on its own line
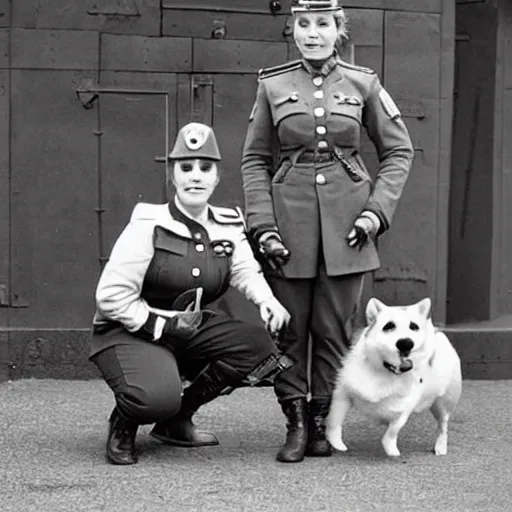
(274, 250)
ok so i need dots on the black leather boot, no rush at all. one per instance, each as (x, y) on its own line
(297, 435)
(180, 430)
(121, 440)
(318, 446)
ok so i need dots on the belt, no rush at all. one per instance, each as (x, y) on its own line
(316, 156)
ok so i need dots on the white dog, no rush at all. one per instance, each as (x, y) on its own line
(399, 364)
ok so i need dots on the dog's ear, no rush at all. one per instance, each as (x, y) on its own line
(373, 308)
(424, 307)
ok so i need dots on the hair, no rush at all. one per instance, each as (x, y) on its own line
(342, 24)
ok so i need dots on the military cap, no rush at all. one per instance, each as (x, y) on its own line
(314, 5)
(195, 140)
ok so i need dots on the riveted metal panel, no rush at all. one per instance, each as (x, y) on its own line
(147, 54)
(408, 250)
(412, 59)
(4, 48)
(54, 263)
(113, 16)
(262, 6)
(4, 197)
(133, 129)
(217, 56)
(233, 99)
(223, 25)
(54, 49)
(5, 13)
(366, 27)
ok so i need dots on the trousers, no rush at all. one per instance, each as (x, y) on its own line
(325, 309)
(146, 378)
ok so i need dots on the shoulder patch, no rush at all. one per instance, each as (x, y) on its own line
(389, 105)
(368, 71)
(224, 215)
(280, 69)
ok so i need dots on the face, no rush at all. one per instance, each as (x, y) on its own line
(194, 180)
(315, 34)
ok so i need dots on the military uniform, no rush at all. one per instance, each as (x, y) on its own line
(153, 328)
(304, 178)
(158, 259)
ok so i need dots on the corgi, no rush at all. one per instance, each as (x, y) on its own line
(398, 364)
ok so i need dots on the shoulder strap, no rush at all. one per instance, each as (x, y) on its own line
(280, 69)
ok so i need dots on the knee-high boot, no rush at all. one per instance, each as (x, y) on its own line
(180, 430)
(297, 435)
(121, 440)
(318, 446)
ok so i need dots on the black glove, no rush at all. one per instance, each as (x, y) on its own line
(364, 228)
(183, 325)
(274, 252)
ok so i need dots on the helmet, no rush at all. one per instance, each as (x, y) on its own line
(195, 140)
(314, 5)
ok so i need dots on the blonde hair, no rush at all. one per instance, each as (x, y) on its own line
(342, 24)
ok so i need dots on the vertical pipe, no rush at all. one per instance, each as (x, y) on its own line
(99, 174)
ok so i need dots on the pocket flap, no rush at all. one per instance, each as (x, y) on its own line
(169, 241)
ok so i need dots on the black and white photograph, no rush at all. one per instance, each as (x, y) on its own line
(255, 255)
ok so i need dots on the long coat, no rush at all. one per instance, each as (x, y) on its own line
(312, 202)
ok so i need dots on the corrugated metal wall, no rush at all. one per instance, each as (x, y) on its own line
(54, 191)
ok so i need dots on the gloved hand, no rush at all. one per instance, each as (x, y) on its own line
(183, 324)
(365, 226)
(274, 250)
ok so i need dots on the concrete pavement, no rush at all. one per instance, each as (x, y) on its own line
(52, 435)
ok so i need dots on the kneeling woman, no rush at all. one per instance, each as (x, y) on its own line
(150, 329)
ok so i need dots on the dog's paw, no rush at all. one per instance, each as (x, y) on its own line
(441, 447)
(334, 438)
(391, 449)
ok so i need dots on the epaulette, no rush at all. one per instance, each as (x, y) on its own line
(354, 67)
(224, 215)
(278, 70)
(146, 211)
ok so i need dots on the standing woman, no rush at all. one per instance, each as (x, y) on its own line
(314, 208)
(151, 327)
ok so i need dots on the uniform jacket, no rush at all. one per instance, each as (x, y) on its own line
(163, 253)
(299, 110)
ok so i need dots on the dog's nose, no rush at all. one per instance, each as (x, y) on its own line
(404, 345)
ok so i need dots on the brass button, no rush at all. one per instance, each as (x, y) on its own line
(196, 272)
(321, 130)
(197, 236)
(318, 95)
(318, 81)
(319, 111)
(199, 247)
(294, 96)
(320, 179)
(322, 144)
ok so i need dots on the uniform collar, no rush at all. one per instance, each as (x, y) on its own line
(326, 68)
(194, 226)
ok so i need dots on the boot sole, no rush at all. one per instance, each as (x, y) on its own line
(181, 444)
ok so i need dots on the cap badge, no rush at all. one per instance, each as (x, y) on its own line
(195, 137)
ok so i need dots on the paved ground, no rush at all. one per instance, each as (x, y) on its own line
(52, 435)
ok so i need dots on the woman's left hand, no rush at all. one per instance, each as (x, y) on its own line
(274, 315)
